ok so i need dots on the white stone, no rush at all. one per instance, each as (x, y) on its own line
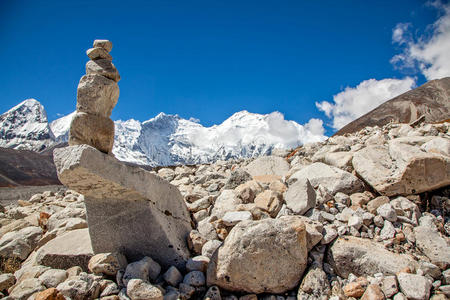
(210, 247)
(414, 286)
(231, 218)
(332, 178)
(300, 196)
(355, 222)
(53, 277)
(138, 289)
(268, 165)
(387, 212)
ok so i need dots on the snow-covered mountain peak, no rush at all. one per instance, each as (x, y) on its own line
(60, 127)
(25, 126)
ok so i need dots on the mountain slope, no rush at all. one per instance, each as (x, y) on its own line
(431, 100)
(25, 167)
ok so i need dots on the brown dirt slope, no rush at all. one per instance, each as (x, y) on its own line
(431, 100)
(24, 167)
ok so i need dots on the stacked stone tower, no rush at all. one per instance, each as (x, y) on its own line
(97, 94)
(129, 209)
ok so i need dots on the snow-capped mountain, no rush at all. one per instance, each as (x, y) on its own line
(170, 139)
(25, 126)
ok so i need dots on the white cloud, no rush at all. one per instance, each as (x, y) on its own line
(354, 102)
(428, 53)
(400, 33)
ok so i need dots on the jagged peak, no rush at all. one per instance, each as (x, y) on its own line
(28, 103)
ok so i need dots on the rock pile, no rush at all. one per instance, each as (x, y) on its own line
(97, 94)
(264, 228)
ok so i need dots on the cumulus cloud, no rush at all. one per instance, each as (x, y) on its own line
(354, 102)
(429, 53)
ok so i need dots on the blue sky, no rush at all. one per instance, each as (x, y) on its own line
(209, 59)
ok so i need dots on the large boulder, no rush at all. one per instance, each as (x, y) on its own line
(268, 165)
(402, 168)
(363, 257)
(70, 249)
(129, 210)
(332, 178)
(266, 256)
(19, 244)
(433, 245)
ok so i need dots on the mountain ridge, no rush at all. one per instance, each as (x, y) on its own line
(168, 139)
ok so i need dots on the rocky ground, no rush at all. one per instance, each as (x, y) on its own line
(359, 216)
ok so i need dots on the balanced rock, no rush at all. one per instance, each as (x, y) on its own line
(103, 67)
(97, 95)
(96, 131)
(98, 53)
(105, 44)
(363, 257)
(253, 248)
(129, 210)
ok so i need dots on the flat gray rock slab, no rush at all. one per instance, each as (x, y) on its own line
(70, 249)
(364, 257)
(268, 165)
(129, 210)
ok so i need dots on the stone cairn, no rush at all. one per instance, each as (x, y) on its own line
(97, 94)
(129, 209)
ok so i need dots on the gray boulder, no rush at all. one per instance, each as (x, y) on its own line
(268, 165)
(333, 179)
(415, 287)
(281, 247)
(129, 210)
(433, 245)
(19, 244)
(363, 257)
(401, 168)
